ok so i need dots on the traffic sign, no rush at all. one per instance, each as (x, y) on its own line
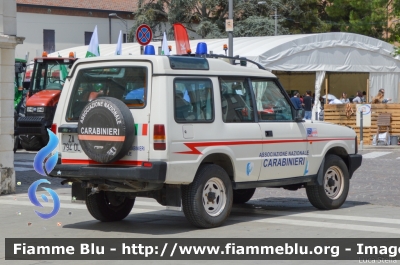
(144, 34)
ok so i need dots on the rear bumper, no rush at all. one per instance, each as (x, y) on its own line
(354, 163)
(155, 174)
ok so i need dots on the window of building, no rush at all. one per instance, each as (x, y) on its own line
(193, 100)
(236, 101)
(88, 36)
(49, 43)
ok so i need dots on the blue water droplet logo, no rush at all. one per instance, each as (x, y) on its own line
(32, 197)
(45, 160)
(249, 168)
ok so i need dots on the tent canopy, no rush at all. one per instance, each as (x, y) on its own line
(337, 52)
(315, 53)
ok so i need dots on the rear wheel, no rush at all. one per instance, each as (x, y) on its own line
(335, 185)
(242, 196)
(108, 207)
(207, 201)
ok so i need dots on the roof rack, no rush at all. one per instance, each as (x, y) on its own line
(232, 59)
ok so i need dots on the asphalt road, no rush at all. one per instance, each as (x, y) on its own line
(371, 210)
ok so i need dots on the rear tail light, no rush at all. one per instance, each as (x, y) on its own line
(147, 164)
(159, 137)
(54, 128)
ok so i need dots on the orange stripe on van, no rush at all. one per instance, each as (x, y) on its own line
(101, 138)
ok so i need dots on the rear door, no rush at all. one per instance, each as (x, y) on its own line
(285, 149)
(128, 82)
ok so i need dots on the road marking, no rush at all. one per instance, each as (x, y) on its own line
(325, 216)
(327, 225)
(258, 218)
(398, 158)
(375, 154)
(23, 168)
(63, 198)
(23, 163)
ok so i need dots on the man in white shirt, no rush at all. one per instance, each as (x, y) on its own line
(335, 101)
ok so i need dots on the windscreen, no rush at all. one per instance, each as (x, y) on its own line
(50, 74)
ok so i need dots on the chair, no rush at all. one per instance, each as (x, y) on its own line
(383, 121)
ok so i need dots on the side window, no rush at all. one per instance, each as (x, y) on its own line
(236, 102)
(193, 100)
(271, 103)
(128, 84)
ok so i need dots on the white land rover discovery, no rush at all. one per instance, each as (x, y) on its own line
(191, 132)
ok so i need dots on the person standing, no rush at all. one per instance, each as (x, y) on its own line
(296, 100)
(308, 104)
(380, 97)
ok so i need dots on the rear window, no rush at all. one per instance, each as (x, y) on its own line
(128, 84)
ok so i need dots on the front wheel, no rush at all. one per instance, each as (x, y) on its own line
(335, 185)
(108, 207)
(207, 201)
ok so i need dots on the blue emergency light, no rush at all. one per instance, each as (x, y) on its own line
(149, 50)
(201, 48)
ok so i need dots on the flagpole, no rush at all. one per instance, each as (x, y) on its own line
(230, 33)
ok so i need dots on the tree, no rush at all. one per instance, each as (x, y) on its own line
(368, 18)
(207, 17)
(308, 16)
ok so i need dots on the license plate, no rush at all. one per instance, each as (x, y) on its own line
(70, 143)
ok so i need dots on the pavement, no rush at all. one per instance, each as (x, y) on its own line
(371, 211)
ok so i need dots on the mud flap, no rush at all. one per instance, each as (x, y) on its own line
(319, 180)
(78, 194)
(173, 197)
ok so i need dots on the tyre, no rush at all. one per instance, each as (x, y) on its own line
(242, 196)
(31, 142)
(106, 129)
(207, 201)
(16, 143)
(335, 188)
(16, 138)
(107, 207)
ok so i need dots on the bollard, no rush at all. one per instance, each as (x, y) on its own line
(361, 130)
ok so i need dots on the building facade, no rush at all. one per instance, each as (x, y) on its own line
(51, 25)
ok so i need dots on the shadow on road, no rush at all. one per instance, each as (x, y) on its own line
(162, 222)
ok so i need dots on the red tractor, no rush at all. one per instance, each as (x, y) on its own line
(47, 80)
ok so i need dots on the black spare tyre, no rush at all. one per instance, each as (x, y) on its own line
(106, 129)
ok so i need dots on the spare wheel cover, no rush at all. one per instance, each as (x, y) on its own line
(106, 129)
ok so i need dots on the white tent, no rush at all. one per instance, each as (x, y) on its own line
(314, 53)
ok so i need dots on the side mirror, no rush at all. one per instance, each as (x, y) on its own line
(299, 115)
(26, 84)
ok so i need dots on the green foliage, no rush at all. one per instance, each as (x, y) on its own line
(256, 18)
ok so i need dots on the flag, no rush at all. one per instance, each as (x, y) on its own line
(181, 39)
(165, 49)
(63, 71)
(118, 50)
(93, 49)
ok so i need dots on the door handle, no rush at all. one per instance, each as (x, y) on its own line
(268, 134)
